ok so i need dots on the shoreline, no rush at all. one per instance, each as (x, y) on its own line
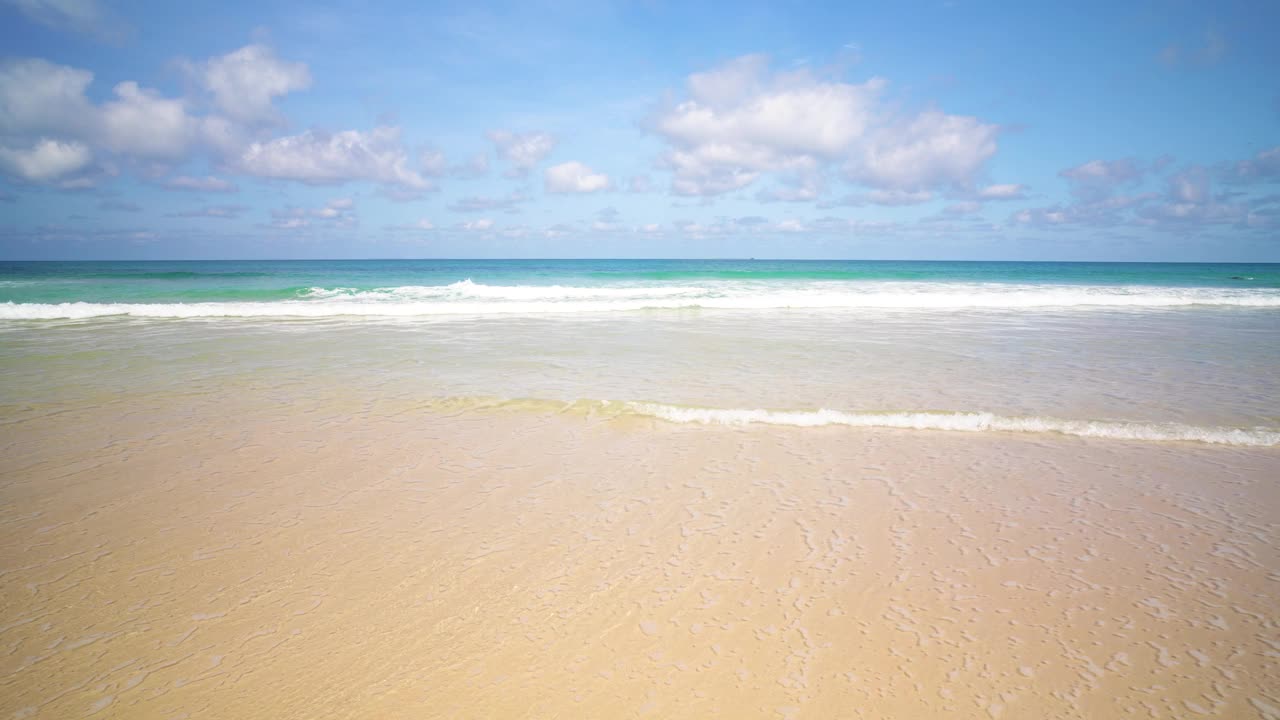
(249, 555)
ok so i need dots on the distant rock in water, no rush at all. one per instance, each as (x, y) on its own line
(1240, 277)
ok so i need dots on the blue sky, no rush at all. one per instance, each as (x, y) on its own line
(931, 130)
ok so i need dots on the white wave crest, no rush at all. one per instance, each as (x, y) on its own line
(466, 289)
(965, 422)
(468, 298)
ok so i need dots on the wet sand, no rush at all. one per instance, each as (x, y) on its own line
(223, 556)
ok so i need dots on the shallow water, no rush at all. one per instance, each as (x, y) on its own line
(1141, 347)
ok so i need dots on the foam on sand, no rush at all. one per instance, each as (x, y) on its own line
(966, 422)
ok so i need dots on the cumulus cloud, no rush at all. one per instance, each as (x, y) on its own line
(1002, 192)
(740, 121)
(47, 160)
(49, 128)
(897, 197)
(208, 183)
(41, 102)
(39, 98)
(244, 83)
(320, 158)
(574, 177)
(932, 150)
(522, 151)
(143, 124)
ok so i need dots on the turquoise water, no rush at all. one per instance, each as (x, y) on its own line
(1162, 352)
(265, 281)
(407, 288)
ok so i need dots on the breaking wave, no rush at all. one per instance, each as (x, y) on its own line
(469, 298)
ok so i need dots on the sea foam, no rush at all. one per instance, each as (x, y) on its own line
(469, 298)
(963, 422)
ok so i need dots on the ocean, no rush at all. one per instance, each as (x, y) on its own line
(639, 489)
(1140, 351)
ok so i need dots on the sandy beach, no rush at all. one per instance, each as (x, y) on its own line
(225, 555)
(640, 360)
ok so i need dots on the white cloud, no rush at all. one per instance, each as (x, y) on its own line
(319, 158)
(522, 151)
(42, 100)
(46, 102)
(46, 161)
(245, 82)
(208, 183)
(898, 197)
(739, 121)
(574, 177)
(39, 98)
(143, 124)
(732, 107)
(477, 225)
(932, 150)
(1002, 192)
